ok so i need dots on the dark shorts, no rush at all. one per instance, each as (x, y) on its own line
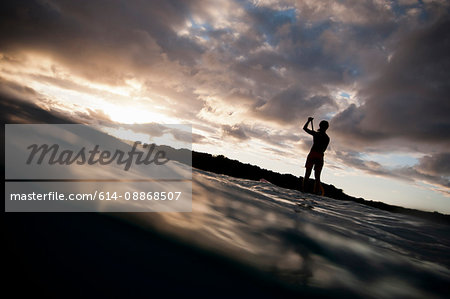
(314, 159)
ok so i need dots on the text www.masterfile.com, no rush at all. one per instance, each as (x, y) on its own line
(96, 195)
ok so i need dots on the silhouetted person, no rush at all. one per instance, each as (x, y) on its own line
(315, 156)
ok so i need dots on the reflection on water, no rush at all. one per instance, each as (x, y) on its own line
(307, 240)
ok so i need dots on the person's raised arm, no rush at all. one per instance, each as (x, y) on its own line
(305, 127)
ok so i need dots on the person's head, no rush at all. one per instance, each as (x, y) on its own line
(323, 126)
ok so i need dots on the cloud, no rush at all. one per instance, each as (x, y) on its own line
(185, 52)
(437, 164)
(293, 104)
(25, 105)
(276, 138)
(107, 43)
(235, 131)
(14, 110)
(180, 70)
(433, 169)
(409, 99)
(354, 160)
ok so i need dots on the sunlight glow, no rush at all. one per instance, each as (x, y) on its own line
(67, 92)
(135, 115)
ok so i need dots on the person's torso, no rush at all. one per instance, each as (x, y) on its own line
(321, 141)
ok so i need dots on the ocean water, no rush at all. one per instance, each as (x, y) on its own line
(306, 243)
(309, 241)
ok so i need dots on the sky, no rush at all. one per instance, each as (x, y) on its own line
(246, 75)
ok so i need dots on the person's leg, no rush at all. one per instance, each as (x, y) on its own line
(317, 185)
(306, 178)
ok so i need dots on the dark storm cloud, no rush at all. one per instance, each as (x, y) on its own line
(438, 164)
(347, 124)
(15, 110)
(293, 105)
(313, 47)
(282, 48)
(95, 35)
(410, 98)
